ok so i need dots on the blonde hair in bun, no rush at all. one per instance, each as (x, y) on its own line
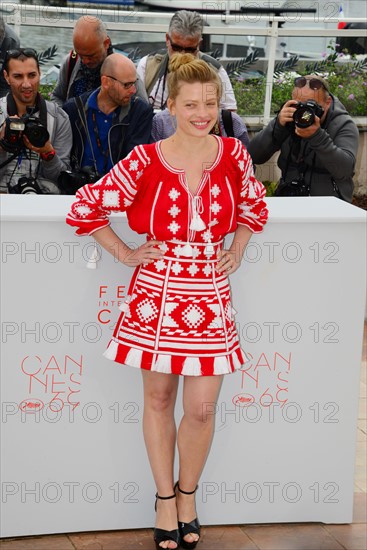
(186, 68)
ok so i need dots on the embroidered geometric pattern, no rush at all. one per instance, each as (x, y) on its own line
(111, 199)
(174, 211)
(160, 265)
(173, 227)
(147, 310)
(83, 210)
(215, 190)
(174, 194)
(179, 318)
(215, 207)
(193, 316)
(193, 269)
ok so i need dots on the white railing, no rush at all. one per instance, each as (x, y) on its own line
(220, 24)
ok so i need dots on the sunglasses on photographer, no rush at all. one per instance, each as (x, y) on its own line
(314, 83)
(178, 48)
(27, 52)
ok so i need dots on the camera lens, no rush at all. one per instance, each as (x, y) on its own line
(28, 186)
(304, 117)
(36, 133)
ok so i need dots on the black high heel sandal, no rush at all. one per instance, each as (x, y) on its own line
(160, 535)
(188, 528)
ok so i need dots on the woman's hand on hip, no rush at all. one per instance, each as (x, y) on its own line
(228, 261)
(145, 254)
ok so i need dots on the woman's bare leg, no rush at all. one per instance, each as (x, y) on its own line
(160, 391)
(195, 435)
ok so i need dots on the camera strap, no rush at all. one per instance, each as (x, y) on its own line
(83, 118)
(297, 149)
(8, 160)
(99, 143)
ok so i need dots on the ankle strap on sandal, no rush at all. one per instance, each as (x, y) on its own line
(186, 492)
(165, 498)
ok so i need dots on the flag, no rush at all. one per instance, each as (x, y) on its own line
(341, 24)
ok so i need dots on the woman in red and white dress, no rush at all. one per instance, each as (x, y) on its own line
(186, 193)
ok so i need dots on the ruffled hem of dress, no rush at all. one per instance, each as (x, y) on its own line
(174, 364)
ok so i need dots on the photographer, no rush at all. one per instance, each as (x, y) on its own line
(317, 139)
(35, 135)
(106, 123)
(80, 69)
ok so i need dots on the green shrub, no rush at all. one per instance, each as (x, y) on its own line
(46, 89)
(347, 78)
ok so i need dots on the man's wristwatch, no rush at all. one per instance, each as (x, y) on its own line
(48, 156)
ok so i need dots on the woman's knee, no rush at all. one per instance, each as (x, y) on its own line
(201, 413)
(160, 399)
(160, 391)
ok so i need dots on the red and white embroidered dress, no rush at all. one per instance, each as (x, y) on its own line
(178, 316)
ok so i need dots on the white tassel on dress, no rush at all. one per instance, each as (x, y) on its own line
(111, 351)
(92, 262)
(221, 365)
(197, 223)
(209, 250)
(191, 367)
(125, 306)
(162, 364)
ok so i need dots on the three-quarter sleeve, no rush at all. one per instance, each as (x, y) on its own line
(251, 207)
(114, 192)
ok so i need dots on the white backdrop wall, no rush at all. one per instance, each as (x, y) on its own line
(72, 452)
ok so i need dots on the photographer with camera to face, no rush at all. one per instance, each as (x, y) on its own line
(35, 135)
(317, 139)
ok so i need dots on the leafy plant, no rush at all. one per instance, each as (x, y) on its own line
(47, 55)
(347, 78)
(270, 187)
(235, 68)
(46, 90)
(287, 65)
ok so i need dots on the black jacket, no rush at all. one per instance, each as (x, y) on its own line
(328, 157)
(131, 126)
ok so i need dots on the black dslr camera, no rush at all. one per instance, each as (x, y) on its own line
(25, 186)
(69, 182)
(295, 188)
(28, 125)
(305, 113)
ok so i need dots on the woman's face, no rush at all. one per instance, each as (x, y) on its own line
(195, 108)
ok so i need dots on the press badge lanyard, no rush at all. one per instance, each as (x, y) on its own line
(22, 153)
